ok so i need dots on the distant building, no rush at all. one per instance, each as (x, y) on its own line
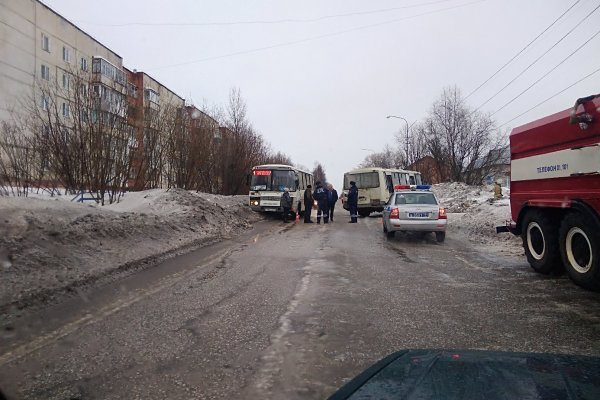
(431, 170)
(496, 162)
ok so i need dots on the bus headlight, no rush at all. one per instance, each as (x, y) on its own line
(254, 202)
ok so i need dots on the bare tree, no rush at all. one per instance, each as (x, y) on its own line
(78, 136)
(459, 140)
(388, 158)
(278, 158)
(16, 161)
(319, 173)
(245, 147)
(88, 137)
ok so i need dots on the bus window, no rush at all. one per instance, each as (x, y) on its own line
(363, 180)
(285, 179)
(261, 180)
(389, 184)
(411, 180)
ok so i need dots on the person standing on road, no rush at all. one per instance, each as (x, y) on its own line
(331, 200)
(308, 204)
(320, 196)
(286, 204)
(353, 202)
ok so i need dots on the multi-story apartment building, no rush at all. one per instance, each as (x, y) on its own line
(39, 47)
(48, 62)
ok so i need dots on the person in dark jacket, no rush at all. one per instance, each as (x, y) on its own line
(286, 204)
(331, 200)
(320, 196)
(353, 202)
(308, 204)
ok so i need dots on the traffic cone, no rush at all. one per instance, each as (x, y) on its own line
(297, 217)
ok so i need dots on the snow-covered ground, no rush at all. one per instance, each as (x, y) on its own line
(473, 214)
(51, 245)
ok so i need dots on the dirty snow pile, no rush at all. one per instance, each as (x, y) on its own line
(50, 245)
(473, 213)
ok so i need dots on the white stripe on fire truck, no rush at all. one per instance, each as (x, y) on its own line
(557, 164)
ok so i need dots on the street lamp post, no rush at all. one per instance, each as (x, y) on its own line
(407, 137)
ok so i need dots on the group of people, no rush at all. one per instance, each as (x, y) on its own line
(326, 197)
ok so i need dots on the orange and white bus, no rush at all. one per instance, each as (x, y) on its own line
(267, 183)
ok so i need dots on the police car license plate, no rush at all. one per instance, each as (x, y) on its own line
(418, 215)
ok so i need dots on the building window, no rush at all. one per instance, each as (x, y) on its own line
(84, 90)
(151, 96)
(84, 66)
(65, 110)
(66, 54)
(44, 103)
(45, 43)
(66, 81)
(132, 90)
(101, 66)
(45, 72)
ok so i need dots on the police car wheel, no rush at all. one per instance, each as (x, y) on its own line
(579, 249)
(540, 241)
(440, 236)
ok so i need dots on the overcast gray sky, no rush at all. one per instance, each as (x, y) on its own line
(319, 77)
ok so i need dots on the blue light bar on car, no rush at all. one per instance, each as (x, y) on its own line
(423, 187)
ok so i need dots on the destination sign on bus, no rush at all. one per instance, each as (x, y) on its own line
(260, 172)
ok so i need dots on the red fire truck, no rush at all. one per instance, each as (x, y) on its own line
(555, 192)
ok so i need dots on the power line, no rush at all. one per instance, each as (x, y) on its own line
(547, 73)
(539, 58)
(285, 44)
(551, 97)
(523, 49)
(267, 22)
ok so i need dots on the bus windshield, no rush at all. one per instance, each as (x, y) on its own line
(275, 180)
(363, 181)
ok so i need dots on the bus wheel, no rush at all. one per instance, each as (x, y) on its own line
(579, 249)
(364, 213)
(300, 212)
(540, 241)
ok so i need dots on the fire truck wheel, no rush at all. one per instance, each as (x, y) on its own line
(579, 248)
(540, 241)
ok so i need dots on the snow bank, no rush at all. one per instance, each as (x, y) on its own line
(473, 213)
(50, 245)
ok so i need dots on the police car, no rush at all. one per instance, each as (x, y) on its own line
(414, 210)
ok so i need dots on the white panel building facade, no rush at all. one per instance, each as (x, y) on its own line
(39, 45)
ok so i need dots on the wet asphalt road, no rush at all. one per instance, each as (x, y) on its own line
(289, 312)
